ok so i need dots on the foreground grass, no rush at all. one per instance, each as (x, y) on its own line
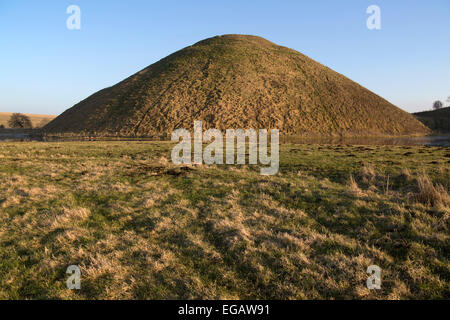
(142, 228)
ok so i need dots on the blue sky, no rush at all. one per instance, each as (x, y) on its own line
(46, 68)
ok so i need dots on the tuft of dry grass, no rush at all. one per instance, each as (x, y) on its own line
(406, 174)
(429, 193)
(353, 187)
(367, 173)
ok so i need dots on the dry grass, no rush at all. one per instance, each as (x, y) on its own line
(406, 174)
(368, 173)
(429, 193)
(141, 232)
(236, 81)
(353, 187)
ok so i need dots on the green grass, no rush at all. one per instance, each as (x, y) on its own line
(141, 228)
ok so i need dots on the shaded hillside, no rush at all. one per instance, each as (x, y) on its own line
(236, 81)
(437, 120)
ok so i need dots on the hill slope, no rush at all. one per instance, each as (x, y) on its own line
(437, 120)
(36, 119)
(236, 81)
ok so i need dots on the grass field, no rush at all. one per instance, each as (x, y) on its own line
(141, 228)
(36, 119)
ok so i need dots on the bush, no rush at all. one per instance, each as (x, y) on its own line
(18, 120)
(2, 126)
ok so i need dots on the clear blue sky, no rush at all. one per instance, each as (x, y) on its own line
(46, 68)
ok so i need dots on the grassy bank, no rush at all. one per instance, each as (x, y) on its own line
(140, 227)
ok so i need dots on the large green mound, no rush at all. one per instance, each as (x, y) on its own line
(236, 81)
(438, 120)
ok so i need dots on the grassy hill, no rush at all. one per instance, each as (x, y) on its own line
(236, 81)
(36, 119)
(437, 120)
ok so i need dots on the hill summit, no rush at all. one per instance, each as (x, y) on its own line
(236, 81)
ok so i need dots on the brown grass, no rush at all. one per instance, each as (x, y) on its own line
(367, 173)
(429, 193)
(217, 233)
(236, 81)
(406, 174)
(353, 187)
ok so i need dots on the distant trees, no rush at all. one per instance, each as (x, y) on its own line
(19, 121)
(448, 100)
(437, 105)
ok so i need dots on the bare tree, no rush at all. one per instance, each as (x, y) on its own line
(19, 120)
(437, 105)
